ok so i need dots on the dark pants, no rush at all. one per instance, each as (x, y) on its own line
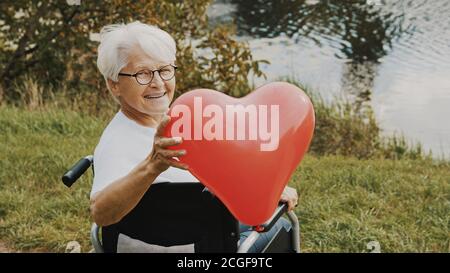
(185, 214)
(265, 237)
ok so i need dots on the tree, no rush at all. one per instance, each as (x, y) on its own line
(50, 40)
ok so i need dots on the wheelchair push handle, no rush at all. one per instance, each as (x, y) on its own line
(77, 170)
(280, 210)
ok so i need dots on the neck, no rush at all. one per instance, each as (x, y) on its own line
(139, 117)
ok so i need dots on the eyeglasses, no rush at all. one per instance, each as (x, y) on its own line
(145, 76)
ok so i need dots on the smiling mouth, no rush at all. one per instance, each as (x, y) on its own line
(150, 97)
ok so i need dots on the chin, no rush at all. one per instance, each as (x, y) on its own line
(156, 109)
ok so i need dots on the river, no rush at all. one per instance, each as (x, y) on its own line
(393, 54)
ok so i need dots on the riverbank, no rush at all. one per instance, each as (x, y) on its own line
(346, 201)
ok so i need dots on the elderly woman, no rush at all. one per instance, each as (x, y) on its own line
(138, 64)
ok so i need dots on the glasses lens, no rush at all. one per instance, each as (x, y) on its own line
(167, 72)
(144, 76)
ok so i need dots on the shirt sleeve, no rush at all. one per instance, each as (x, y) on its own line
(109, 165)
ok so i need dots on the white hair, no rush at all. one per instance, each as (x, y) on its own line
(117, 41)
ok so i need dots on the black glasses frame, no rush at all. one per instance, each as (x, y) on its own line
(153, 74)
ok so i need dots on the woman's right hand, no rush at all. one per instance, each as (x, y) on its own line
(161, 158)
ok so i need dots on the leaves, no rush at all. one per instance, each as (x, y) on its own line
(49, 40)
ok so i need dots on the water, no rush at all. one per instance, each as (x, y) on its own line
(395, 54)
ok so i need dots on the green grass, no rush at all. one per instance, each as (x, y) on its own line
(36, 209)
(345, 202)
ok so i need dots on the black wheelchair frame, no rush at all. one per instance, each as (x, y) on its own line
(186, 212)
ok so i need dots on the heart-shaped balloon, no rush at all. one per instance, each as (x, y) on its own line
(244, 149)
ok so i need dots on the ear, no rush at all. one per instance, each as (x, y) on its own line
(114, 87)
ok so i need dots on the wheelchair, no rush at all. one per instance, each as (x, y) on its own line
(181, 213)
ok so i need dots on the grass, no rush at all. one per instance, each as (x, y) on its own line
(36, 210)
(346, 202)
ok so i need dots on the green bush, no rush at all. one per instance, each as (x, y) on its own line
(51, 45)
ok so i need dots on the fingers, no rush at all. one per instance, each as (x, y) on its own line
(289, 202)
(162, 125)
(291, 205)
(165, 142)
(162, 141)
(162, 156)
(291, 199)
(172, 153)
(174, 163)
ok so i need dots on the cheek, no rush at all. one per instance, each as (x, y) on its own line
(170, 86)
(131, 92)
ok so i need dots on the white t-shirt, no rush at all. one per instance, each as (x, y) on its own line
(122, 146)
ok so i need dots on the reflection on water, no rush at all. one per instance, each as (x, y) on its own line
(394, 53)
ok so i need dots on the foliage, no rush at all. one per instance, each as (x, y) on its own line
(52, 41)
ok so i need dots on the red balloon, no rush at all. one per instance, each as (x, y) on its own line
(244, 149)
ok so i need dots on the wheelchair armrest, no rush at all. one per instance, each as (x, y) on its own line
(281, 209)
(77, 170)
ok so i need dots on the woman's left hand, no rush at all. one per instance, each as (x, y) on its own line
(290, 196)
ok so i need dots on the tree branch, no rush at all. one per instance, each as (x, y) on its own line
(7, 75)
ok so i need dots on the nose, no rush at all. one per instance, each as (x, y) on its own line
(157, 81)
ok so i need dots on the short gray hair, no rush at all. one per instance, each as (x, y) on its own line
(117, 40)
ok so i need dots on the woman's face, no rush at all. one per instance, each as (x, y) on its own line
(146, 100)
